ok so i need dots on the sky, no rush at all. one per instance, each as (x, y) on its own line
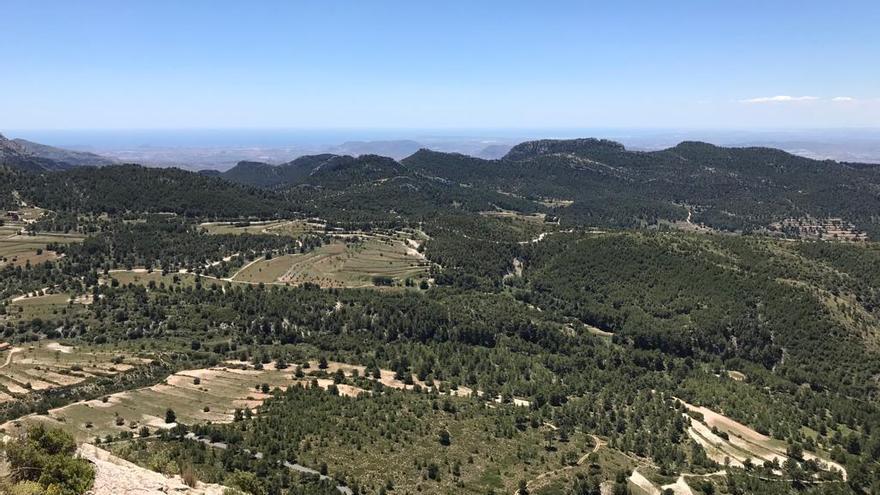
(439, 65)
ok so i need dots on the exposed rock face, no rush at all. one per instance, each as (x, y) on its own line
(114, 476)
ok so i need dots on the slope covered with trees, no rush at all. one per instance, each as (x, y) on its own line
(725, 188)
(131, 188)
(563, 324)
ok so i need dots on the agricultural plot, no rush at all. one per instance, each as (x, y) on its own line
(146, 278)
(556, 202)
(291, 228)
(7, 230)
(45, 306)
(535, 218)
(18, 249)
(342, 264)
(43, 365)
(196, 396)
(728, 441)
(524, 225)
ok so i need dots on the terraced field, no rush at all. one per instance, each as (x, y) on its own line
(189, 393)
(46, 364)
(741, 443)
(342, 264)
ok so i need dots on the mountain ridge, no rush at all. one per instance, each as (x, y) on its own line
(35, 157)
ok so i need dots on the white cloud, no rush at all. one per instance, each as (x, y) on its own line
(779, 99)
(843, 98)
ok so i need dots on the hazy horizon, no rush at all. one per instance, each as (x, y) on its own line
(221, 148)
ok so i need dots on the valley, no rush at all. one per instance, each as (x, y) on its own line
(367, 325)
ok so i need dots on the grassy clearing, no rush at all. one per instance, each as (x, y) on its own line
(46, 307)
(145, 278)
(342, 264)
(290, 228)
(7, 230)
(20, 249)
(556, 202)
(534, 218)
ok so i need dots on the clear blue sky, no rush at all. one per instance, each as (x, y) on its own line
(444, 64)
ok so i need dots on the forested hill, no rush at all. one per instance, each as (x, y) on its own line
(132, 188)
(326, 170)
(265, 175)
(583, 182)
(29, 156)
(724, 188)
(68, 157)
(531, 149)
(14, 155)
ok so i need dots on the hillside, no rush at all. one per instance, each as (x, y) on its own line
(14, 155)
(65, 156)
(34, 157)
(555, 319)
(120, 188)
(741, 189)
(325, 170)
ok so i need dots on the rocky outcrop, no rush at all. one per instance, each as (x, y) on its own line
(114, 476)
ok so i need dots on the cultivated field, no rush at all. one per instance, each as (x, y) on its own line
(536, 218)
(18, 249)
(221, 390)
(342, 264)
(42, 365)
(741, 443)
(556, 202)
(26, 307)
(145, 278)
(291, 228)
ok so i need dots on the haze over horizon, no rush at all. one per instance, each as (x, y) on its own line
(492, 65)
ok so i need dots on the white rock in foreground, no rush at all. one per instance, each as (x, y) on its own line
(115, 476)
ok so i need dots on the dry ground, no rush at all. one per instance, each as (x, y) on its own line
(278, 227)
(341, 264)
(18, 249)
(46, 364)
(742, 443)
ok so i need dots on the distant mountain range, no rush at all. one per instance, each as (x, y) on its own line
(320, 170)
(580, 181)
(27, 155)
(600, 182)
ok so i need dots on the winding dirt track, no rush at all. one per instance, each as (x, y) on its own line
(9, 357)
(531, 483)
